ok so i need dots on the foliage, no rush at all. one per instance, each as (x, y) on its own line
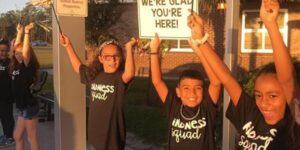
(101, 17)
(39, 15)
(248, 81)
(8, 23)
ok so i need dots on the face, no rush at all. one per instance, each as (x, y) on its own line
(270, 98)
(190, 91)
(110, 57)
(3, 51)
(19, 56)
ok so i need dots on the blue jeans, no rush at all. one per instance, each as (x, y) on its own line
(30, 112)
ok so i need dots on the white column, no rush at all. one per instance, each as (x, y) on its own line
(70, 106)
(231, 50)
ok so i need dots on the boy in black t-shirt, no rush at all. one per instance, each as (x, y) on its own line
(6, 100)
(263, 121)
(191, 108)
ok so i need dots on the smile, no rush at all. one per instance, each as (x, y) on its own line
(192, 99)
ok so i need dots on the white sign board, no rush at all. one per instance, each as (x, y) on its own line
(166, 17)
(76, 8)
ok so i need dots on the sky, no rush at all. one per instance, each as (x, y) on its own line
(6, 5)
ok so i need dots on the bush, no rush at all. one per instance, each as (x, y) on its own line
(248, 82)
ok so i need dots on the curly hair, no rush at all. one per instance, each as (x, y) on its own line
(95, 66)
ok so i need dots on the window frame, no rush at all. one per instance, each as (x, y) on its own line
(263, 31)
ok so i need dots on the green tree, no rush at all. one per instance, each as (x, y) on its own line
(8, 23)
(101, 16)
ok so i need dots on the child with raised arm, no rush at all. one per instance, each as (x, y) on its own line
(108, 76)
(262, 121)
(24, 72)
(191, 108)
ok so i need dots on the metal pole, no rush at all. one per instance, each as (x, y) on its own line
(69, 93)
(231, 29)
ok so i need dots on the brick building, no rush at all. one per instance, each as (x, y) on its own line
(253, 48)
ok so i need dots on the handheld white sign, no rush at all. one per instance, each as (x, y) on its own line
(166, 17)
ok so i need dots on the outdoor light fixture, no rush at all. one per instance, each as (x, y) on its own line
(221, 5)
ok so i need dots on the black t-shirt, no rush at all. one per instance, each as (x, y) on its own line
(187, 130)
(106, 123)
(255, 133)
(5, 82)
(22, 78)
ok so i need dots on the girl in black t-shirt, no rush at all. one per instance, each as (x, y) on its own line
(107, 75)
(265, 120)
(23, 71)
(191, 108)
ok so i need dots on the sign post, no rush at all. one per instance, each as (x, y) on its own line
(70, 106)
(231, 28)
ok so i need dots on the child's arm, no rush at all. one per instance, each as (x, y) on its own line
(75, 61)
(157, 81)
(129, 64)
(26, 44)
(19, 34)
(198, 33)
(285, 71)
(218, 66)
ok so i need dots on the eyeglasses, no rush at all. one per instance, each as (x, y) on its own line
(110, 57)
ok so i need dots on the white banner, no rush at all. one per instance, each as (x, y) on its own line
(76, 8)
(166, 17)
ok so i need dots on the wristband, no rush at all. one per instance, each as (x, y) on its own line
(153, 53)
(27, 33)
(199, 42)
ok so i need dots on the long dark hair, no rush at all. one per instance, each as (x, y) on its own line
(95, 66)
(33, 64)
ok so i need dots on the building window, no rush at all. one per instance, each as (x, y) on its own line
(255, 38)
(180, 46)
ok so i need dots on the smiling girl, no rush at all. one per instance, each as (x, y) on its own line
(265, 120)
(108, 76)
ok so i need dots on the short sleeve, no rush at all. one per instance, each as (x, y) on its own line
(240, 114)
(83, 69)
(171, 102)
(209, 105)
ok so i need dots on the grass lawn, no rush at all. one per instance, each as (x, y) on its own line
(149, 123)
(44, 55)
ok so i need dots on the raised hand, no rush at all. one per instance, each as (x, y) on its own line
(196, 23)
(269, 11)
(132, 42)
(19, 28)
(64, 40)
(29, 27)
(154, 44)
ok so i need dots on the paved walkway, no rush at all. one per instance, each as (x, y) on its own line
(46, 139)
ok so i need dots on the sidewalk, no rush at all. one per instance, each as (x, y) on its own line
(46, 139)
